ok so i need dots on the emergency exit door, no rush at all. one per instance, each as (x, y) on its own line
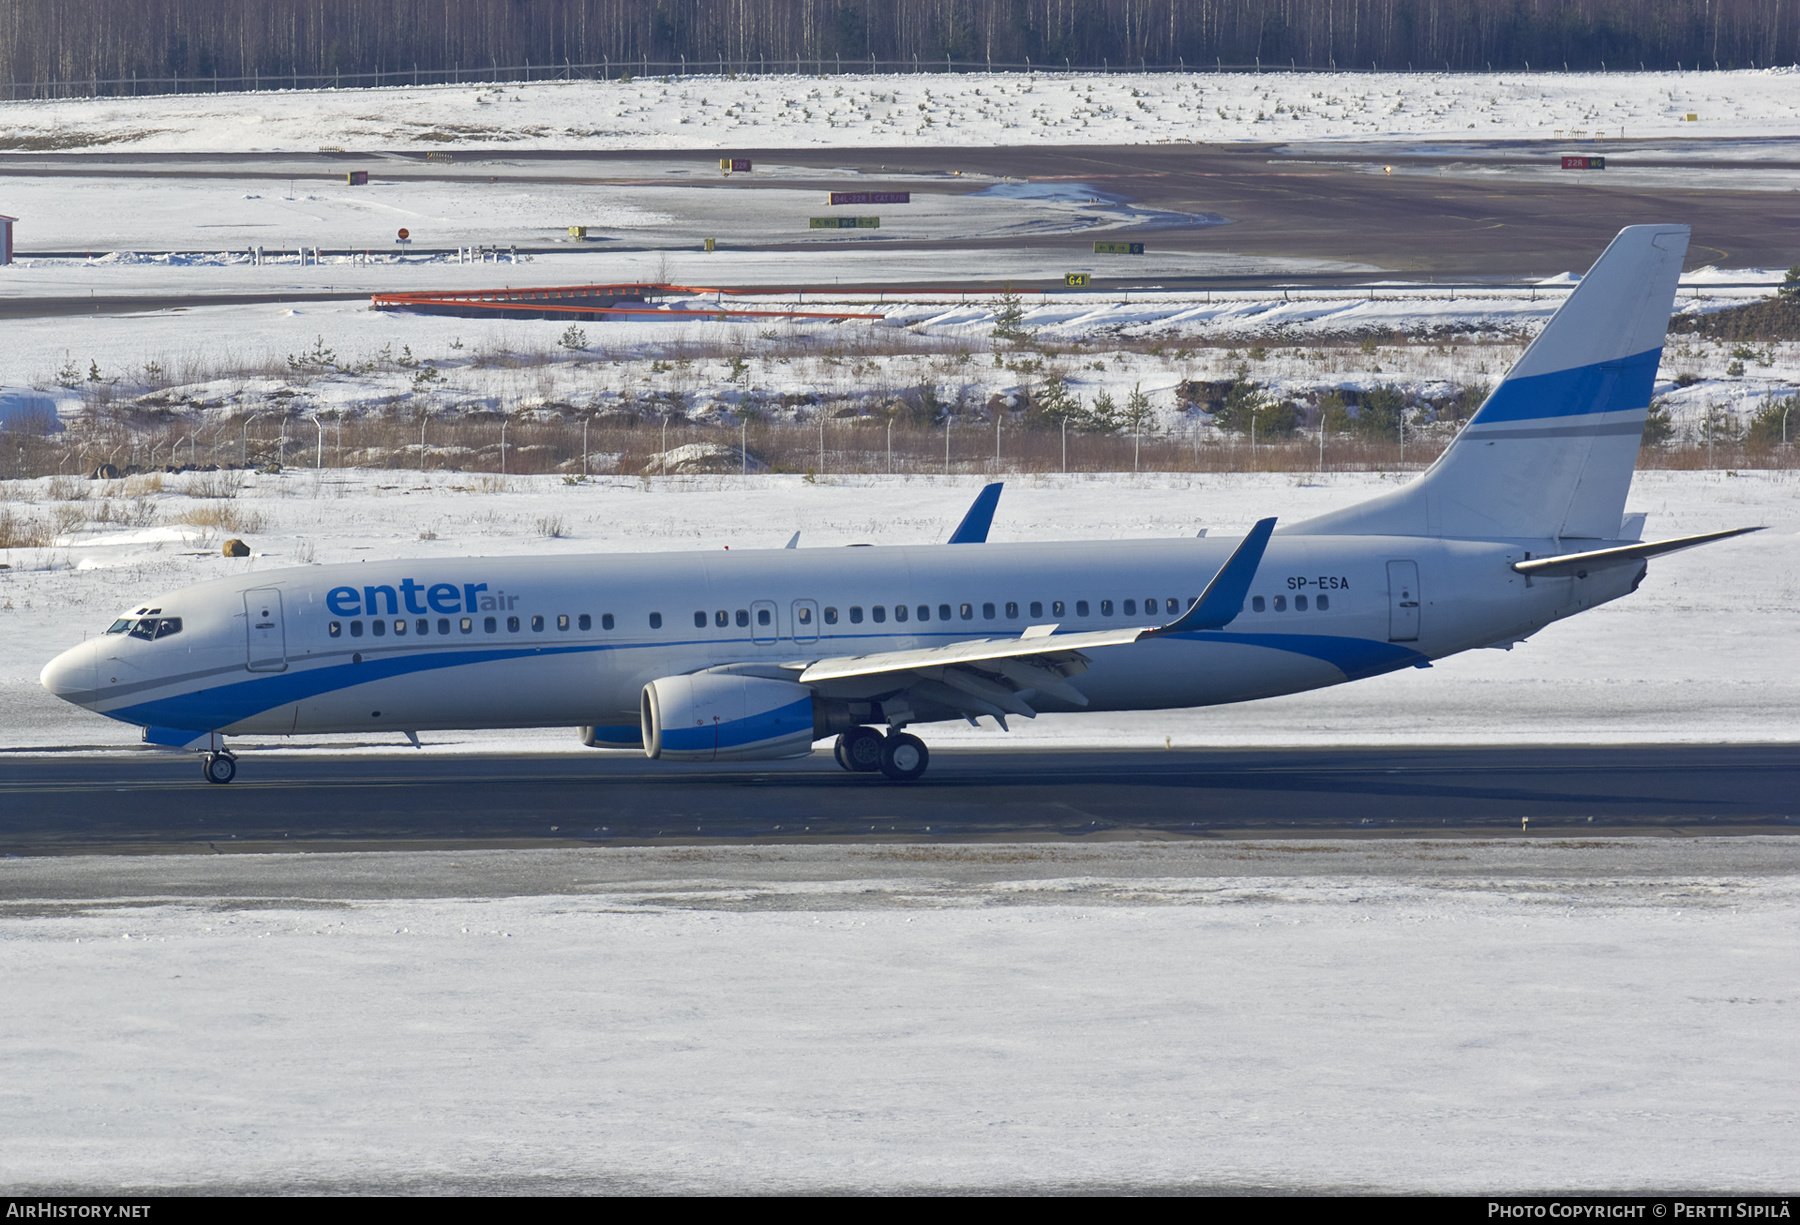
(265, 637)
(1403, 601)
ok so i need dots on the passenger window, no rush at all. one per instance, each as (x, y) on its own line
(356, 629)
(655, 621)
(1037, 608)
(743, 617)
(925, 612)
(400, 627)
(378, 628)
(468, 625)
(899, 613)
(1081, 608)
(1012, 610)
(830, 616)
(878, 613)
(1131, 608)
(967, 612)
(562, 621)
(764, 617)
(1106, 608)
(1280, 603)
(512, 625)
(1171, 605)
(1324, 602)
(606, 621)
(803, 615)
(1300, 603)
(1256, 603)
(443, 625)
(722, 619)
(987, 611)
(1150, 608)
(699, 620)
(489, 625)
(584, 622)
(855, 615)
(1056, 608)
(537, 624)
(335, 629)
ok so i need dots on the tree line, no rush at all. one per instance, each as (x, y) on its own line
(74, 41)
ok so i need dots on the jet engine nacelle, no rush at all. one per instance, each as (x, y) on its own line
(715, 717)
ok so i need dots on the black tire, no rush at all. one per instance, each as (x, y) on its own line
(218, 767)
(859, 749)
(904, 757)
(837, 753)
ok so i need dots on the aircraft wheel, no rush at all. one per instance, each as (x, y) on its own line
(218, 767)
(859, 749)
(903, 757)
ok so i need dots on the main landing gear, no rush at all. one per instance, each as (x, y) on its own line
(218, 767)
(899, 755)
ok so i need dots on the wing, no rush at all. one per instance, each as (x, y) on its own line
(1001, 676)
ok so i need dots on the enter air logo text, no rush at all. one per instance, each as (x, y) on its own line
(416, 597)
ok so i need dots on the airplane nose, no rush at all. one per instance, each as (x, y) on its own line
(70, 676)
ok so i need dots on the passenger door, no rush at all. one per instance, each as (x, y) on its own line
(1403, 601)
(265, 636)
(764, 623)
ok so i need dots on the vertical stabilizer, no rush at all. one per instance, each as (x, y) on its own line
(1551, 452)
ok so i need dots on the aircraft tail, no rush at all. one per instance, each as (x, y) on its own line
(1551, 452)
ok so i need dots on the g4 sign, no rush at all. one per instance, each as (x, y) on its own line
(1075, 280)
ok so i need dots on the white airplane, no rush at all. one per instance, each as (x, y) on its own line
(752, 655)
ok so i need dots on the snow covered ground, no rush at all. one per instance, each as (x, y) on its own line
(912, 110)
(1700, 653)
(1411, 1016)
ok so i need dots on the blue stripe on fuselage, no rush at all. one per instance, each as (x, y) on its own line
(1604, 387)
(222, 705)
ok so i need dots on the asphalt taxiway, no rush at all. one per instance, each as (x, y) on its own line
(152, 803)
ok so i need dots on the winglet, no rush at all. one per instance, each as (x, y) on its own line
(1223, 598)
(974, 526)
(793, 541)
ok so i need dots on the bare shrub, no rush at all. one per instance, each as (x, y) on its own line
(66, 489)
(19, 532)
(67, 520)
(225, 483)
(551, 526)
(143, 484)
(225, 517)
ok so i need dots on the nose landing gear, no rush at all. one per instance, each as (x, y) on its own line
(218, 767)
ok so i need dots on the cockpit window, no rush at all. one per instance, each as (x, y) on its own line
(146, 628)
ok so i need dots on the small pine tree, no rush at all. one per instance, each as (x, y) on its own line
(1009, 320)
(1789, 289)
(1659, 428)
(573, 339)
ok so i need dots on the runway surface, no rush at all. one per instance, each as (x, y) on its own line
(1468, 211)
(59, 805)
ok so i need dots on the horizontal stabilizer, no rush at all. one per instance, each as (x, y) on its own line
(974, 526)
(1571, 563)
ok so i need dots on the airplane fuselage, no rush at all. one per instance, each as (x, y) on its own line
(534, 642)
